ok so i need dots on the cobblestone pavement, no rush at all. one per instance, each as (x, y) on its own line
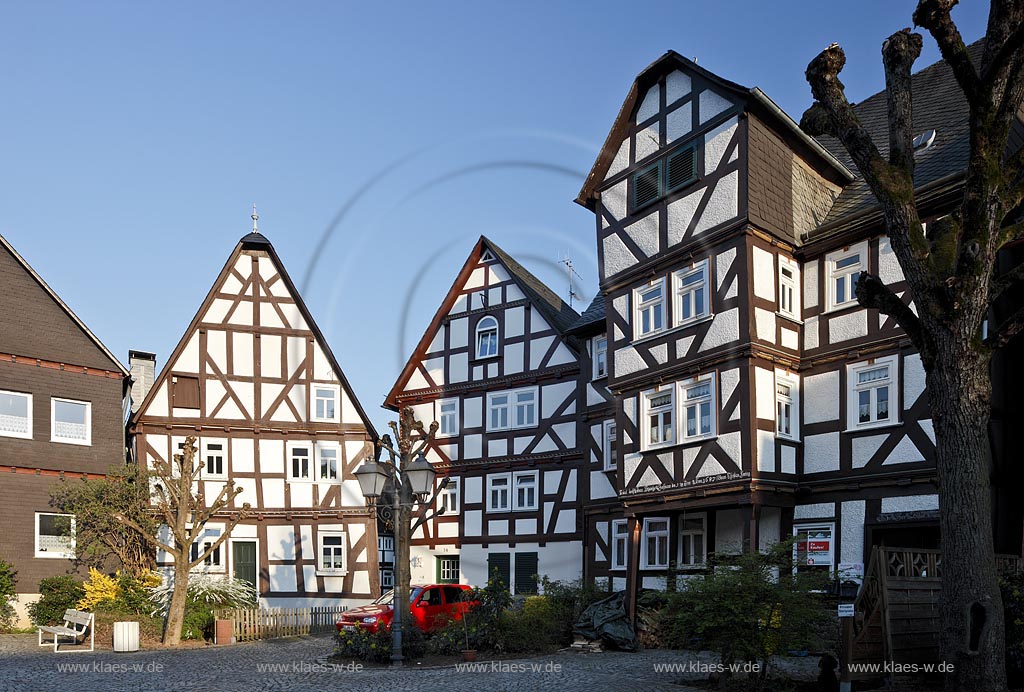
(299, 665)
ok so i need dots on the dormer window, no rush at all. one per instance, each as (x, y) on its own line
(487, 337)
(924, 141)
(675, 171)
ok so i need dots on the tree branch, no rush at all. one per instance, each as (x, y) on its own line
(145, 534)
(933, 15)
(999, 284)
(216, 544)
(898, 55)
(872, 293)
(1010, 328)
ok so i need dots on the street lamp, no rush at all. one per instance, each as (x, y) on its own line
(407, 479)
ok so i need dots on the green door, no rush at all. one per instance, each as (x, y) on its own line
(243, 561)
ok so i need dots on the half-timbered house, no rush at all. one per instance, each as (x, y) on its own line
(63, 406)
(497, 369)
(754, 398)
(255, 381)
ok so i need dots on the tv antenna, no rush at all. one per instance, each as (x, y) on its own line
(571, 272)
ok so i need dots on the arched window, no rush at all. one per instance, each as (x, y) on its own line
(486, 337)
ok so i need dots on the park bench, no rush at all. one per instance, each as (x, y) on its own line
(76, 624)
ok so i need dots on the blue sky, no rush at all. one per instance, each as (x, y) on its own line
(135, 137)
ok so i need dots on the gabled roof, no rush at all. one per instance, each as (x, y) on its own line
(63, 306)
(754, 96)
(592, 320)
(555, 310)
(257, 241)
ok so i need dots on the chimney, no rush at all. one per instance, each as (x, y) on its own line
(143, 369)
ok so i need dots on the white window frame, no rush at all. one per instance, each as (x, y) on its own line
(789, 286)
(517, 477)
(645, 413)
(512, 402)
(67, 555)
(54, 437)
(639, 309)
(331, 571)
(609, 437)
(449, 498)
(336, 391)
(447, 421)
(452, 578)
(832, 272)
(507, 506)
(478, 333)
(387, 579)
(215, 562)
(204, 446)
(320, 448)
(645, 534)
(854, 388)
(619, 532)
(310, 462)
(687, 293)
(27, 435)
(831, 527)
(686, 561)
(599, 356)
(711, 399)
(792, 382)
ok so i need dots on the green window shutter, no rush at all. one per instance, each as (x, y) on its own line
(499, 566)
(526, 573)
(437, 564)
(647, 185)
(681, 169)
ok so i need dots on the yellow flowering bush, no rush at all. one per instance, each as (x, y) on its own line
(99, 588)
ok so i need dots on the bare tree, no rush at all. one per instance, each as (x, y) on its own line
(178, 502)
(951, 275)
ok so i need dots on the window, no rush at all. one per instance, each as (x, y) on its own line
(787, 392)
(526, 491)
(499, 568)
(650, 308)
(654, 544)
(789, 288)
(211, 562)
(386, 550)
(872, 392)
(647, 185)
(332, 552)
(446, 413)
(71, 422)
(526, 573)
(610, 435)
(487, 337)
(450, 497)
(298, 458)
(213, 455)
(658, 417)
(599, 351)
(814, 546)
(325, 402)
(698, 407)
(655, 181)
(680, 169)
(387, 579)
(511, 410)
(55, 535)
(328, 462)
(16, 415)
(184, 391)
(619, 543)
(844, 268)
(692, 540)
(448, 569)
(497, 492)
(691, 290)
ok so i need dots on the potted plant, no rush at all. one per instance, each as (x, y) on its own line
(468, 654)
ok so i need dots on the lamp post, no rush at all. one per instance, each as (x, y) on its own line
(408, 478)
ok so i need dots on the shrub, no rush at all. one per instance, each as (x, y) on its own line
(198, 621)
(57, 594)
(206, 589)
(1012, 587)
(8, 589)
(99, 589)
(375, 647)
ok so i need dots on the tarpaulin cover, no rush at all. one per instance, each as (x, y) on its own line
(606, 620)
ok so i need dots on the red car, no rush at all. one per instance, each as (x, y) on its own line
(430, 604)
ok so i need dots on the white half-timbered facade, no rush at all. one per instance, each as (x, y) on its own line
(499, 373)
(254, 380)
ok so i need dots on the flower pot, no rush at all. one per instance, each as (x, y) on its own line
(222, 631)
(469, 655)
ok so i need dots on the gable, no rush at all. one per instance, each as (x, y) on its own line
(254, 350)
(37, 323)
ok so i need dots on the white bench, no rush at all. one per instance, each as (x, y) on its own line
(76, 623)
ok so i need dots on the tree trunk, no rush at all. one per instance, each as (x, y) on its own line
(960, 393)
(176, 610)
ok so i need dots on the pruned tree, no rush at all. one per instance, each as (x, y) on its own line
(99, 534)
(178, 503)
(951, 273)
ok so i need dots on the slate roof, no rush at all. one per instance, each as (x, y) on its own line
(557, 311)
(938, 104)
(592, 319)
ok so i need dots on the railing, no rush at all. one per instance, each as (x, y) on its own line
(249, 624)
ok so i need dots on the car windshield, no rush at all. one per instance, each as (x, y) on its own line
(389, 596)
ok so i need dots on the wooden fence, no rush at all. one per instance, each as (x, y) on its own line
(269, 623)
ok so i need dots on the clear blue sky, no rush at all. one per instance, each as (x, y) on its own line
(135, 137)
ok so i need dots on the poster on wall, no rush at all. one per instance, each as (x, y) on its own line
(814, 546)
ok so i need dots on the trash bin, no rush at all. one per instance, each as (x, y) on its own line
(223, 631)
(126, 636)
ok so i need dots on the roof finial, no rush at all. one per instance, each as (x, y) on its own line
(255, 218)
